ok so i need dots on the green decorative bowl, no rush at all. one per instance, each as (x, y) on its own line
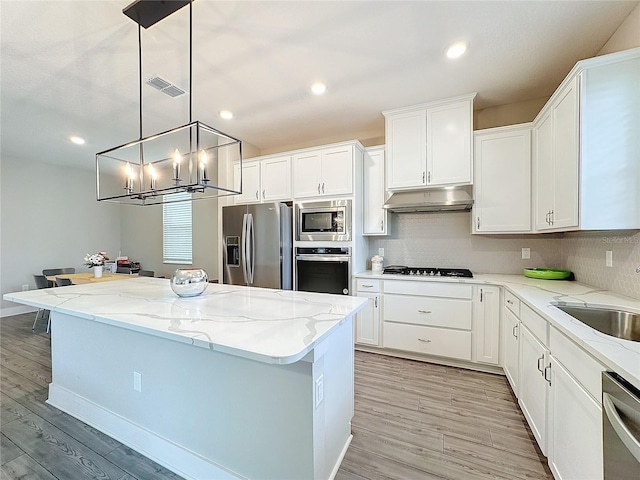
(546, 273)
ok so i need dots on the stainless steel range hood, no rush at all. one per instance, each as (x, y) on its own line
(443, 199)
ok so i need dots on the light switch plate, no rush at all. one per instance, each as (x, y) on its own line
(609, 258)
(137, 381)
(381, 251)
(319, 390)
(526, 253)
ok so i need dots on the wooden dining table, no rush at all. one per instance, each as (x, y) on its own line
(84, 278)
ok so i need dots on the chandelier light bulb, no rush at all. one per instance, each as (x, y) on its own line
(177, 158)
(204, 158)
(153, 175)
(129, 176)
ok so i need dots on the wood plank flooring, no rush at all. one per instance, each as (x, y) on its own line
(412, 420)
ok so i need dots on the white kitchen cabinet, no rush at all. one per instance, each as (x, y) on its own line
(502, 180)
(324, 172)
(276, 179)
(374, 191)
(533, 387)
(511, 348)
(367, 324)
(486, 324)
(575, 428)
(586, 148)
(449, 139)
(557, 161)
(250, 182)
(430, 144)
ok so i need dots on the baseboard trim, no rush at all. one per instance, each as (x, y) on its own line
(336, 467)
(182, 461)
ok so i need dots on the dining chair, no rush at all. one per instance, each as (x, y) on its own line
(49, 272)
(146, 273)
(41, 282)
(63, 282)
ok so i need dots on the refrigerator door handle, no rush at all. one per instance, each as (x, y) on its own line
(243, 247)
(251, 248)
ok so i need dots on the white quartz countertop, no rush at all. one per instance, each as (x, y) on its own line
(272, 326)
(621, 356)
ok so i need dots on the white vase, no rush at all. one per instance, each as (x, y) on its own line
(97, 271)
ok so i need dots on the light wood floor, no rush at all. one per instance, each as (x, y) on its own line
(412, 420)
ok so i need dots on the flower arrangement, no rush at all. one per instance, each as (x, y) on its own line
(96, 259)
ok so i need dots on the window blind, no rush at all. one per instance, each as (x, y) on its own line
(177, 230)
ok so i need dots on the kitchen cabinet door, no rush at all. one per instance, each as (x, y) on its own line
(307, 174)
(250, 182)
(406, 149)
(374, 217)
(502, 180)
(486, 325)
(544, 173)
(449, 136)
(276, 179)
(368, 320)
(565, 157)
(337, 171)
(534, 358)
(575, 428)
(510, 345)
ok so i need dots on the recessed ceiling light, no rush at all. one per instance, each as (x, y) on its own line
(457, 49)
(318, 88)
(77, 140)
(226, 114)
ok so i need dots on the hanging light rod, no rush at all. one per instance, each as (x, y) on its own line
(149, 12)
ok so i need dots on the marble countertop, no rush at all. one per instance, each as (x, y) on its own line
(272, 326)
(621, 356)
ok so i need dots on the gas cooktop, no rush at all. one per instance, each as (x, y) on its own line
(428, 271)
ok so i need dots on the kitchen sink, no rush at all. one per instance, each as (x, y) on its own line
(617, 323)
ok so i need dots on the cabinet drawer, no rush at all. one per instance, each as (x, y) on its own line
(434, 289)
(586, 369)
(367, 285)
(512, 302)
(535, 323)
(430, 340)
(438, 312)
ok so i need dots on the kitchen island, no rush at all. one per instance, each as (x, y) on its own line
(236, 383)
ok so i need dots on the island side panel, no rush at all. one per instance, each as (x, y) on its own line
(239, 415)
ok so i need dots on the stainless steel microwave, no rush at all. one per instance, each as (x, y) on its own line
(324, 221)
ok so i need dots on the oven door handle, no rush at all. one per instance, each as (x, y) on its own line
(623, 432)
(324, 258)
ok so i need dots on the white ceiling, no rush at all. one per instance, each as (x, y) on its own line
(70, 67)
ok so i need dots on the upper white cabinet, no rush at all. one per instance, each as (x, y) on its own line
(374, 192)
(502, 180)
(586, 148)
(266, 180)
(323, 172)
(430, 144)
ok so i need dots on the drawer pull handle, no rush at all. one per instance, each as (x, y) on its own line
(367, 285)
(545, 374)
(424, 311)
(424, 340)
(509, 302)
(514, 331)
(541, 359)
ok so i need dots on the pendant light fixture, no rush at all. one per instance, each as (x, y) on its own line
(194, 157)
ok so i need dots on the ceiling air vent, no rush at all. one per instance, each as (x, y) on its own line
(165, 86)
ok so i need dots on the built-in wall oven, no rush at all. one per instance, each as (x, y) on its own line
(621, 428)
(323, 269)
(324, 221)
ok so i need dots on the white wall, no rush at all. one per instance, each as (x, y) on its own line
(50, 218)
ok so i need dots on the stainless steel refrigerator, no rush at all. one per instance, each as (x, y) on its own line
(257, 245)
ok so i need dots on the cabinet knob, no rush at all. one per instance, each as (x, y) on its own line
(509, 302)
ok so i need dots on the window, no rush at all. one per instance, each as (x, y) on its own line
(176, 230)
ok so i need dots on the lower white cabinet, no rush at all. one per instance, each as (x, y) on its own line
(511, 348)
(486, 324)
(367, 323)
(575, 429)
(534, 358)
(430, 340)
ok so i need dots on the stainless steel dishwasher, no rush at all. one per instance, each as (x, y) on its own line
(621, 428)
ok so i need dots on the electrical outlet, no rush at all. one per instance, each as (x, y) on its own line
(25, 287)
(381, 251)
(319, 390)
(526, 253)
(609, 258)
(137, 381)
